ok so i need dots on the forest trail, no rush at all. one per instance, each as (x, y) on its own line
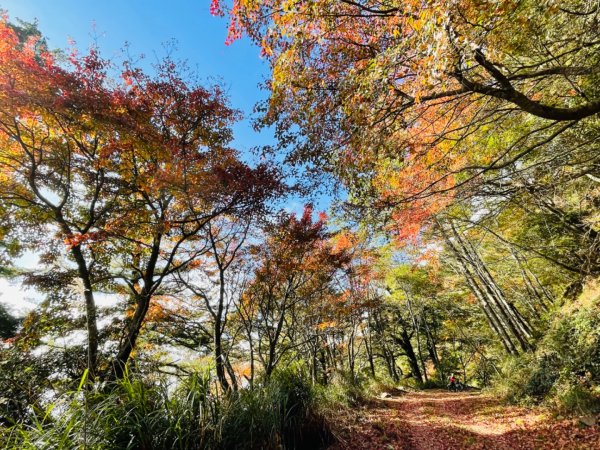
(436, 420)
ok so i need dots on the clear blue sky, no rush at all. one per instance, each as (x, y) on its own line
(148, 24)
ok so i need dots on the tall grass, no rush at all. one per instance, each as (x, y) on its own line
(133, 414)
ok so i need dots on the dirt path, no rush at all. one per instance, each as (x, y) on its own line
(435, 420)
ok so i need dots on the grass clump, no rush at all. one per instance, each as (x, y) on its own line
(136, 414)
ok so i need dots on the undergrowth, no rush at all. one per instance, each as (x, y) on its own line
(133, 414)
(564, 371)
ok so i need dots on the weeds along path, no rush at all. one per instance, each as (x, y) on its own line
(435, 420)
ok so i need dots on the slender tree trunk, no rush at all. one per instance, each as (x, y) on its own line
(314, 367)
(90, 310)
(416, 327)
(231, 373)
(248, 328)
(513, 320)
(432, 350)
(218, 353)
(369, 352)
(251, 380)
(516, 318)
(128, 343)
(142, 302)
(498, 325)
(390, 362)
(531, 288)
(544, 290)
(351, 353)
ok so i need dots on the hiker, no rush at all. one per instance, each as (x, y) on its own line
(452, 382)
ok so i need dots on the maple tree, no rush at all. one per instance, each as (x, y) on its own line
(294, 270)
(408, 101)
(126, 174)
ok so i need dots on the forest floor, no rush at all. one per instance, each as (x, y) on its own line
(435, 420)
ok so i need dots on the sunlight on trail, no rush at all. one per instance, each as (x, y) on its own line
(440, 420)
(469, 411)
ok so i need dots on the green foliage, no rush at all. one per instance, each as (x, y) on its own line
(494, 208)
(279, 414)
(575, 398)
(8, 323)
(342, 391)
(483, 371)
(134, 414)
(24, 380)
(564, 372)
(525, 379)
(432, 383)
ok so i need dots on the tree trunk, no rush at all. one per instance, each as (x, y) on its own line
(390, 362)
(219, 356)
(404, 341)
(533, 291)
(432, 350)
(519, 321)
(128, 343)
(90, 312)
(231, 372)
(416, 328)
(498, 325)
(323, 359)
(513, 320)
(369, 352)
(142, 301)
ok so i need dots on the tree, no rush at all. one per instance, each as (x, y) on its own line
(414, 104)
(295, 269)
(218, 282)
(8, 323)
(126, 174)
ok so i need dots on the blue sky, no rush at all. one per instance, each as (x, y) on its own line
(146, 25)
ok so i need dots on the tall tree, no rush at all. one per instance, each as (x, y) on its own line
(295, 269)
(125, 173)
(414, 103)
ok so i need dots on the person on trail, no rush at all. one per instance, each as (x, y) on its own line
(452, 382)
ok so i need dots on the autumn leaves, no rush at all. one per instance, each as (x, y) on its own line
(128, 174)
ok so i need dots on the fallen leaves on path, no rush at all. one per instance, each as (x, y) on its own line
(439, 420)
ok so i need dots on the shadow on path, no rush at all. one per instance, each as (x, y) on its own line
(436, 420)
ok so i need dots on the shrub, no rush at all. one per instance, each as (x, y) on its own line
(564, 371)
(574, 398)
(280, 413)
(432, 383)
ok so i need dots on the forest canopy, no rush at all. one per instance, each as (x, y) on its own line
(464, 243)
